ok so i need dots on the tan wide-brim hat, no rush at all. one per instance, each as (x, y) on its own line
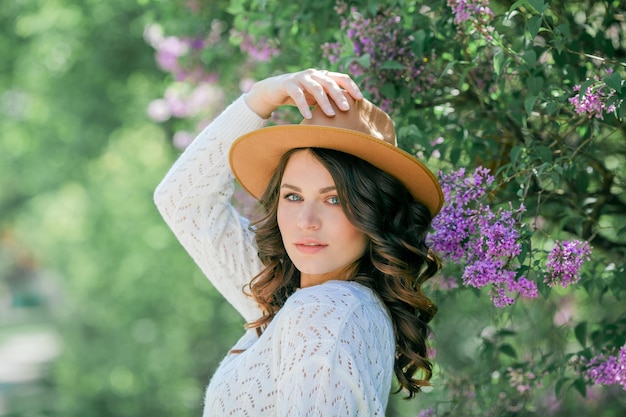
(364, 131)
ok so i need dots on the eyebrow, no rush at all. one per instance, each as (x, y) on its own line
(323, 190)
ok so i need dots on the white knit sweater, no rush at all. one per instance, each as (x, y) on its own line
(330, 349)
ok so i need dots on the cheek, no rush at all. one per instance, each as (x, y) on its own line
(282, 217)
(353, 237)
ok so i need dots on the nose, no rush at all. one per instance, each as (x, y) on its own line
(308, 218)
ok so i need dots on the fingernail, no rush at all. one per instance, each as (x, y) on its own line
(343, 105)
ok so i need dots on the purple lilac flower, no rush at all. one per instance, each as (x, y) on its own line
(608, 370)
(261, 49)
(444, 283)
(465, 10)
(522, 381)
(524, 286)
(170, 50)
(455, 223)
(470, 232)
(594, 101)
(475, 13)
(332, 51)
(381, 41)
(429, 412)
(565, 261)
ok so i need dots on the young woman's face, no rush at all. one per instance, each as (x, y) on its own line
(318, 237)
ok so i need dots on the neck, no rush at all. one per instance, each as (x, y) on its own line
(345, 273)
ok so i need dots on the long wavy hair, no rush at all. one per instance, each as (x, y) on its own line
(396, 263)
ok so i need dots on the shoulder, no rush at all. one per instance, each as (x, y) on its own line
(334, 308)
(338, 321)
(339, 295)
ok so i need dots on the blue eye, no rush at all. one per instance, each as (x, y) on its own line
(334, 200)
(292, 197)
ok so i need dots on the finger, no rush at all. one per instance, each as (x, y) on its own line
(336, 84)
(299, 99)
(318, 87)
(347, 83)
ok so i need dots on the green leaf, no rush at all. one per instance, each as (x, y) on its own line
(544, 290)
(522, 255)
(533, 25)
(545, 153)
(582, 182)
(530, 57)
(455, 155)
(508, 350)
(499, 60)
(581, 387)
(529, 103)
(236, 7)
(417, 46)
(583, 87)
(447, 69)
(558, 387)
(580, 331)
(506, 332)
(534, 84)
(517, 4)
(563, 29)
(559, 44)
(388, 90)
(364, 60)
(514, 154)
(392, 65)
(556, 179)
(538, 5)
(614, 81)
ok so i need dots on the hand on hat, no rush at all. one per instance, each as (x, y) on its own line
(302, 89)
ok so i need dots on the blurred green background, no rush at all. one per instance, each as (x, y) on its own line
(101, 311)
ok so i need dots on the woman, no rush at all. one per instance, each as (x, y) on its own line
(329, 280)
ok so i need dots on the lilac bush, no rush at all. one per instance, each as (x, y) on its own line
(524, 88)
(382, 47)
(261, 49)
(486, 242)
(472, 16)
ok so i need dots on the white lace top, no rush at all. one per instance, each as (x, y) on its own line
(330, 349)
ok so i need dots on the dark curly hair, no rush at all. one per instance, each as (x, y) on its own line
(396, 263)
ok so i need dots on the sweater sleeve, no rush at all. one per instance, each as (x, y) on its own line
(194, 200)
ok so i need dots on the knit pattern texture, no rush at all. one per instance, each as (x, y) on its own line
(330, 349)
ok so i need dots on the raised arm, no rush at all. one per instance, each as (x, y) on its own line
(194, 197)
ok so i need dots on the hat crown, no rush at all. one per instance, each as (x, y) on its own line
(363, 116)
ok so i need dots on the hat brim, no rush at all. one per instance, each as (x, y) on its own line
(255, 156)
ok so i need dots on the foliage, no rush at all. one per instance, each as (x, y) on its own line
(528, 94)
(85, 257)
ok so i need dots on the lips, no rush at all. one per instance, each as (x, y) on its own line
(310, 246)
